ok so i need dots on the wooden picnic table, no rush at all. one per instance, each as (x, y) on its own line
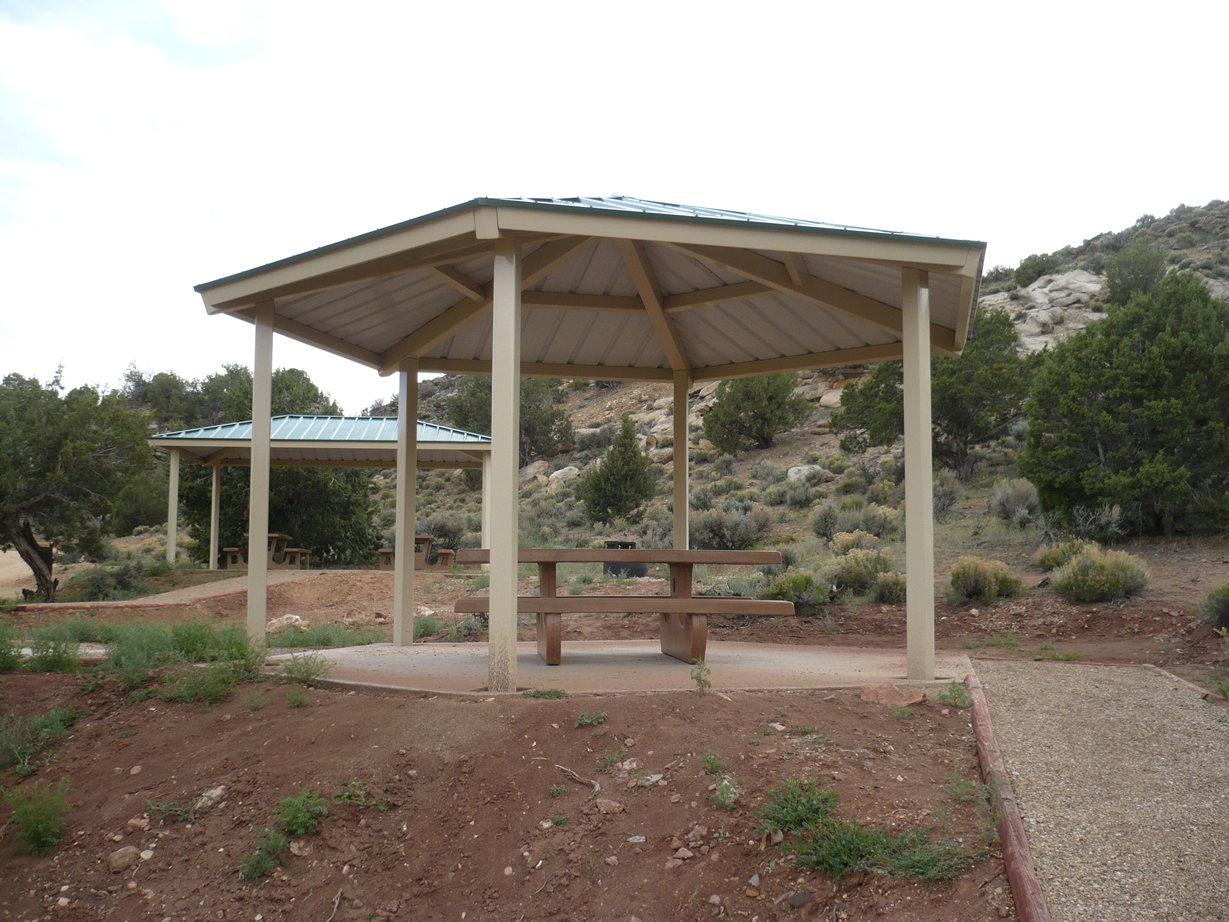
(684, 616)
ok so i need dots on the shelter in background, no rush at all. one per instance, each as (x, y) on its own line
(313, 441)
(612, 288)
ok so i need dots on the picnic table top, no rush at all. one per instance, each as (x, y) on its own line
(617, 555)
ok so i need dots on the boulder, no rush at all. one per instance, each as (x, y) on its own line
(556, 480)
(809, 473)
(831, 400)
(531, 471)
(661, 455)
(286, 621)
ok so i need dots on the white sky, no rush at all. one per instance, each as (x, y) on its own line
(148, 146)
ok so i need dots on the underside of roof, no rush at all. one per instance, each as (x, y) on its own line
(615, 288)
(328, 441)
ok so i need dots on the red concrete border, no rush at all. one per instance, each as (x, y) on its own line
(1209, 696)
(1021, 875)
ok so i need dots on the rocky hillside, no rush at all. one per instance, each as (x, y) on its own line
(1072, 292)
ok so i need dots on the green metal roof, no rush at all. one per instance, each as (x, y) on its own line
(328, 429)
(617, 204)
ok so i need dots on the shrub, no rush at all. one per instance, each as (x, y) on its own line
(1053, 556)
(799, 588)
(857, 571)
(1101, 576)
(1034, 267)
(736, 531)
(845, 541)
(1014, 501)
(852, 484)
(1215, 606)
(823, 523)
(270, 852)
(889, 589)
(39, 816)
(749, 412)
(975, 578)
(1138, 267)
(873, 519)
(945, 493)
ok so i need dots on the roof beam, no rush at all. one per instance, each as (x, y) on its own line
(638, 264)
(837, 357)
(706, 296)
(565, 301)
(538, 264)
(770, 272)
(795, 267)
(544, 260)
(544, 370)
(313, 337)
(456, 280)
(432, 333)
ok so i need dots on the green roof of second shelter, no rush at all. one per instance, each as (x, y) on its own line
(327, 429)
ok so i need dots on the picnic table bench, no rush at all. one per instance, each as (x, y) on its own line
(684, 617)
(422, 555)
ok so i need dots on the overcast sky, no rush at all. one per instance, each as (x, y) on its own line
(148, 146)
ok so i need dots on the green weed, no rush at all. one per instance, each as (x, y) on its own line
(329, 634)
(712, 763)
(256, 700)
(38, 814)
(610, 758)
(900, 713)
(551, 694)
(23, 742)
(270, 852)
(164, 810)
(355, 794)
(558, 790)
(1009, 643)
(559, 819)
(590, 720)
(309, 669)
(300, 816)
(53, 650)
(955, 696)
(699, 674)
(10, 649)
(296, 697)
(727, 793)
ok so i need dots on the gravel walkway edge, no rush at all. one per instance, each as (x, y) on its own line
(1021, 875)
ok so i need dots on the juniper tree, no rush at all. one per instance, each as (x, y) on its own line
(622, 483)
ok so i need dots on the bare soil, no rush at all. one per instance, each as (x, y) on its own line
(468, 821)
(468, 782)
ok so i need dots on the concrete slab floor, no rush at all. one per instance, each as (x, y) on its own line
(591, 667)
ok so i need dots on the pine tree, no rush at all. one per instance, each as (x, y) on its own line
(622, 483)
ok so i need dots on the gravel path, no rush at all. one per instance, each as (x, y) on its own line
(1122, 778)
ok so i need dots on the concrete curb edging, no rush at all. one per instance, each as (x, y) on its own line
(1021, 875)
(1209, 696)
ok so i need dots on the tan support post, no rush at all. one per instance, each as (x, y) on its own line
(215, 515)
(504, 486)
(486, 504)
(407, 507)
(172, 508)
(258, 496)
(682, 466)
(919, 501)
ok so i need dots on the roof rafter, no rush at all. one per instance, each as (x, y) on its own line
(535, 266)
(772, 273)
(458, 281)
(638, 265)
(707, 296)
(837, 357)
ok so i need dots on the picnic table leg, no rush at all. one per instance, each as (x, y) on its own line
(683, 636)
(550, 624)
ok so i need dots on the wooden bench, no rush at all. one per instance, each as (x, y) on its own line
(684, 617)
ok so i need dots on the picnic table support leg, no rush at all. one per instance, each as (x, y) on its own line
(684, 637)
(550, 624)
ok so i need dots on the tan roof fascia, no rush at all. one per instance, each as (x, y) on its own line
(906, 251)
(256, 286)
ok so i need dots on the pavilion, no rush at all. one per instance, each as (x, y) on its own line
(612, 288)
(311, 441)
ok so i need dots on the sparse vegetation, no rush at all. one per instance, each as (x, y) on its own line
(1215, 607)
(590, 720)
(700, 675)
(306, 669)
(24, 743)
(955, 696)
